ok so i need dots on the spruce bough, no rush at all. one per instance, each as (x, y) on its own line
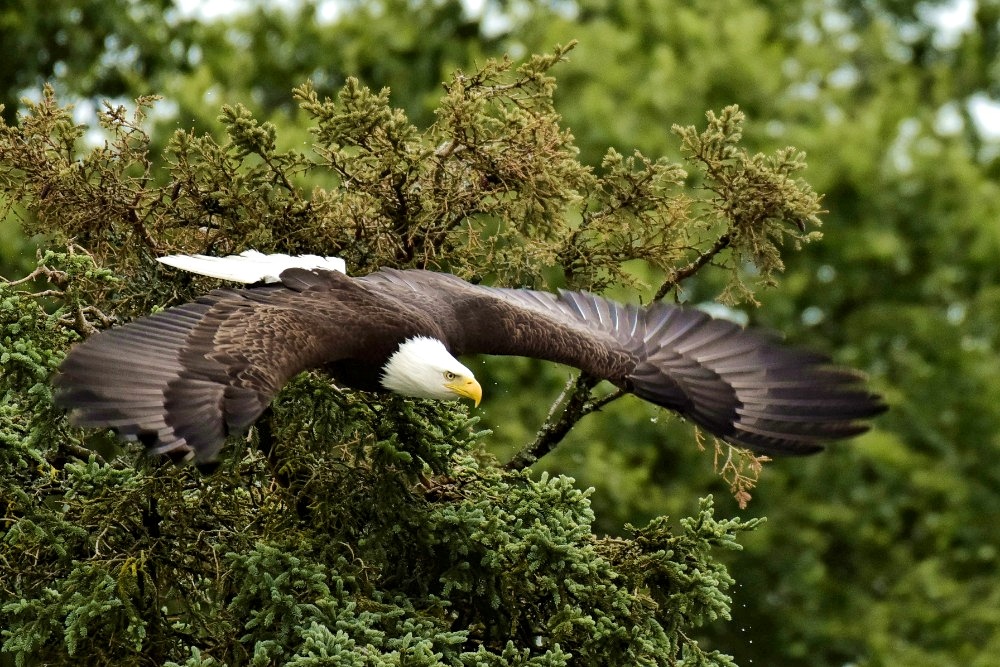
(352, 529)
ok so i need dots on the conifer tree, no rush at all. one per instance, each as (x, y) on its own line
(349, 528)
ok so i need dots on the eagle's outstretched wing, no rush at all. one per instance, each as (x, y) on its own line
(182, 379)
(742, 386)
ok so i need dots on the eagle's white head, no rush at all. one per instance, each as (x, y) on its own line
(423, 368)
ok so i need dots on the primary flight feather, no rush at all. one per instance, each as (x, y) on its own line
(183, 379)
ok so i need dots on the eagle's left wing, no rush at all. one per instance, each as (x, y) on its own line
(742, 386)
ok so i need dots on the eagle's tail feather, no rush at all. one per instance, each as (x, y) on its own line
(251, 266)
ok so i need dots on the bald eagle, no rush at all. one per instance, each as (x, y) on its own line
(183, 379)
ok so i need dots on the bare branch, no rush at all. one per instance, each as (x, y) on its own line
(573, 404)
(686, 272)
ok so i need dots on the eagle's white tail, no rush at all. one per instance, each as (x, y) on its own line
(251, 266)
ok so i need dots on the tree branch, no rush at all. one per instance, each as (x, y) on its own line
(575, 401)
(138, 226)
(686, 272)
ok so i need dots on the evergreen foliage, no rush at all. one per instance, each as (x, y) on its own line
(350, 528)
(878, 552)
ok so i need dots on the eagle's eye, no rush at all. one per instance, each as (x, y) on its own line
(448, 375)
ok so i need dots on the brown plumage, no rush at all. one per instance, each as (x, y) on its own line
(182, 379)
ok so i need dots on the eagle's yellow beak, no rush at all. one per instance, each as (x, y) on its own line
(466, 387)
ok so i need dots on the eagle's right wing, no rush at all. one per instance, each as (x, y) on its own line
(181, 380)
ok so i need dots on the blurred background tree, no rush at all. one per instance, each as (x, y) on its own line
(878, 552)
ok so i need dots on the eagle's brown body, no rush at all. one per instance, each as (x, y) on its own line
(181, 380)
